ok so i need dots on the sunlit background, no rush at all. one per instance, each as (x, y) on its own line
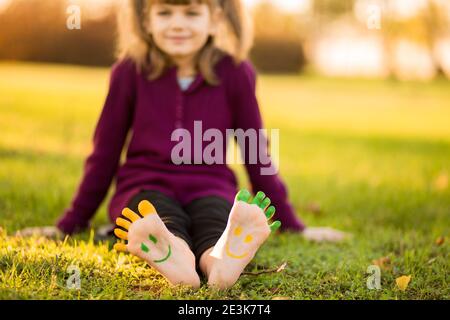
(402, 39)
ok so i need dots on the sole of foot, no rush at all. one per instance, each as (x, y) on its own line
(149, 239)
(246, 231)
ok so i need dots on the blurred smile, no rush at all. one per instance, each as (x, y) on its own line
(178, 39)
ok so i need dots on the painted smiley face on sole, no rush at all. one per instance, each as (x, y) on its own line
(146, 249)
(246, 231)
(237, 233)
(149, 239)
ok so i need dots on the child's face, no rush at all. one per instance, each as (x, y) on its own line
(180, 30)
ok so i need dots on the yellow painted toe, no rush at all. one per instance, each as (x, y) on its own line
(121, 247)
(128, 213)
(121, 234)
(123, 223)
(146, 208)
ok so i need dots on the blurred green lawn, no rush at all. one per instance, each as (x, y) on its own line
(373, 155)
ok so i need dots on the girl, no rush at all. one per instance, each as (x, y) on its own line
(182, 62)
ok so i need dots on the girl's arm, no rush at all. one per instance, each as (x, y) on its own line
(247, 116)
(109, 138)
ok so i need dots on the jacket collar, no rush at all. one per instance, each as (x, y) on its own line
(198, 80)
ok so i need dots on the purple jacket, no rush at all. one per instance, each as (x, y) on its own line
(153, 110)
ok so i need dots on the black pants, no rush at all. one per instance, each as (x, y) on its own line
(200, 223)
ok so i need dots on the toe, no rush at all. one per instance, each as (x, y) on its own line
(121, 247)
(146, 208)
(275, 225)
(123, 223)
(265, 203)
(258, 199)
(270, 212)
(128, 213)
(121, 234)
(243, 195)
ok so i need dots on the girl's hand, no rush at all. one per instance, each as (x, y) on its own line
(324, 234)
(49, 232)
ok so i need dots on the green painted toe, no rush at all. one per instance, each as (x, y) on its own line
(265, 203)
(243, 195)
(275, 225)
(270, 212)
(258, 199)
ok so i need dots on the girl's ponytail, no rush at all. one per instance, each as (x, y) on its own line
(139, 9)
(132, 39)
(238, 24)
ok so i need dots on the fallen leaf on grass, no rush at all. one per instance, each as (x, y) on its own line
(281, 298)
(441, 182)
(282, 267)
(274, 270)
(440, 241)
(402, 282)
(384, 263)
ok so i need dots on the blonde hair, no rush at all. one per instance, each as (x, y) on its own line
(234, 37)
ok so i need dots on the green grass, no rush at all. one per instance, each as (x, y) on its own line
(374, 155)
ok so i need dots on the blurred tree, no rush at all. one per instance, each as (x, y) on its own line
(278, 44)
(325, 12)
(424, 28)
(437, 25)
(332, 8)
(36, 30)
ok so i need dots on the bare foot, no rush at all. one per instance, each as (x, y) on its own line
(246, 231)
(149, 239)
